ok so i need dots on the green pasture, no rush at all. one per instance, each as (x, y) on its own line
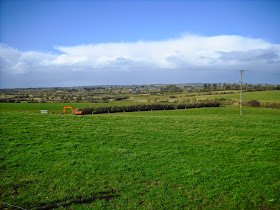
(232, 95)
(194, 158)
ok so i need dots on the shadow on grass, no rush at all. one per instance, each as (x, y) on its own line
(108, 195)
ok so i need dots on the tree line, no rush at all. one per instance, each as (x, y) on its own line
(117, 93)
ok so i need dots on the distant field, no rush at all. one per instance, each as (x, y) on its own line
(196, 158)
(269, 96)
(260, 95)
(234, 95)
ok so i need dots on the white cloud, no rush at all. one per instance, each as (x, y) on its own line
(15, 61)
(189, 52)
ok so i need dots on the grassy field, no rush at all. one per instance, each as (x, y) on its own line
(196, 158)
(269, 96)
(259, 95)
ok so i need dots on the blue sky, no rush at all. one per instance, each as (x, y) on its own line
(70, 43)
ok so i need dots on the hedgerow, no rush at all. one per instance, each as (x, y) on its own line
(147, 107)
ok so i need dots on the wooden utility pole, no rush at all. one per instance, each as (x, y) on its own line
(241, 94)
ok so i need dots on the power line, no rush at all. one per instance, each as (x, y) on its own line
(241, 82)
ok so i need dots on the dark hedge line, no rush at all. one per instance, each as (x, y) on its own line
(9, 100)
(146, 107)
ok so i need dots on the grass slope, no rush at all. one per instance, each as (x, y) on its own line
(162, 159)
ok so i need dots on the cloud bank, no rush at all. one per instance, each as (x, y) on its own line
(187, 59)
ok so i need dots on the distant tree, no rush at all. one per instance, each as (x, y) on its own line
(206, 87)
(227, 87)
(170, 89)
(214, 86)
(79, 99)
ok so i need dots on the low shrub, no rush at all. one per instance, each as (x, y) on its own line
(120, 98)
(254, 103)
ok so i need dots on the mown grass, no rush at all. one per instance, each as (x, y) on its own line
(197, 158)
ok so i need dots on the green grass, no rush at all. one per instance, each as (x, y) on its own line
(197, 158)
